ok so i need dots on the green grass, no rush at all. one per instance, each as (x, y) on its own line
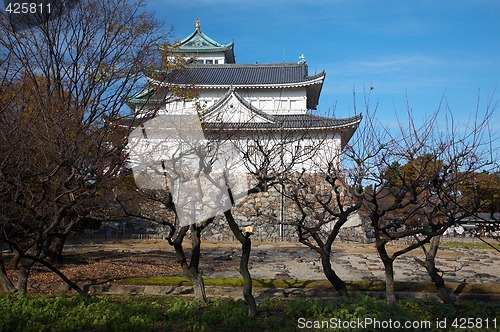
(157, 313)
(467, 245)
(374, 286)
(223, 282)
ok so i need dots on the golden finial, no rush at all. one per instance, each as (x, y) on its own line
(197, 24)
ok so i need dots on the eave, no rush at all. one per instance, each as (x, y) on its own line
(317, 80)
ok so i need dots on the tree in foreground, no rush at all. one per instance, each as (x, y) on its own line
(62, 90)
(326, 196)
(274, 161)
(414, 184)
(156, 206)
(260, 166)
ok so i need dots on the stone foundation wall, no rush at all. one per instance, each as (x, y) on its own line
(272, 217)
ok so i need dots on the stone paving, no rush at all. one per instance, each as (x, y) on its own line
(281, 260)
(360, 262)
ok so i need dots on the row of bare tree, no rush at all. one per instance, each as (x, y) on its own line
(410, 182)
(63, 157)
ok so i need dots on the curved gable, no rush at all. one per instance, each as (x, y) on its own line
(232, 108)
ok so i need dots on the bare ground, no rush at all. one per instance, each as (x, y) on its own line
(106, 261)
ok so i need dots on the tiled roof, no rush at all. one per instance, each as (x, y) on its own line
(301, 121)
(237, 75)
(274, 122)
(199, 43)
(314, 121)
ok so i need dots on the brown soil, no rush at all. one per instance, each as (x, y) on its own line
(105, 262)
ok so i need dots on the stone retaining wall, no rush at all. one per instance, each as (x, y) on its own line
(271, 215)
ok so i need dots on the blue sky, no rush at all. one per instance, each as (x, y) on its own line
(405, 49)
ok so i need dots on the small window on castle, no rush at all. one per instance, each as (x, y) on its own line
(200, 62)
(216, 62)
(251, 150)
(209, 62)
(308, 149)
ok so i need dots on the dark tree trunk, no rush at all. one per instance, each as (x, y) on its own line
(56, 247)
(430, 266)
(336, 210)
(7, 284)
(61, 275)
(196, 276)
(389, 280)
(388, 262)
(191, 273)
(14, 262)
(24, 269)
(55, 251)
(246, 246)
(332, 277)
(191, 269)
(28, 260)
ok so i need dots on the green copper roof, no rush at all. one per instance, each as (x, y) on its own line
(198, 42)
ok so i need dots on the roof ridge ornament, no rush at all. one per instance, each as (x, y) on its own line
(302, 59)
(197, 24)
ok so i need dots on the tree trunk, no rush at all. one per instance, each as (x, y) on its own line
(332, 277)
(246, 246)
(389, 280)
(14, 262)
(193, 274)
(199, 287)
(55, 251)
(7, 284)
(61, 275)
(191, 270)
(441, 289)
(24, 270)
(27, 261)
(388, 267)
(430, 266)
(196, 276)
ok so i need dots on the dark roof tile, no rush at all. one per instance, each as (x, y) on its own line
(235, 74)
(300, 121)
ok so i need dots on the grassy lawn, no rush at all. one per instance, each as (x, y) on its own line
(147, 313)
(469, 245)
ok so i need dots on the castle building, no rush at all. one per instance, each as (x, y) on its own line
(249, 102)
(246, 97)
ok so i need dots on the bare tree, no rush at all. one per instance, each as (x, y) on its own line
(157, 206)
(62, 94)
(323, 212)
(265, 156)
(326, 195)
(272, 156)
(413, 191)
